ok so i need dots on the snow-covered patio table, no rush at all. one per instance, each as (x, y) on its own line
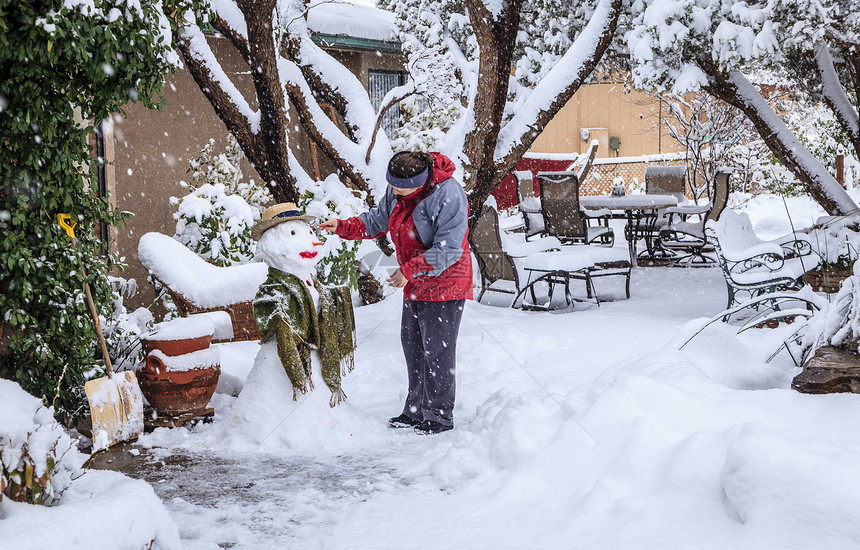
(580, 262)
(635, 208)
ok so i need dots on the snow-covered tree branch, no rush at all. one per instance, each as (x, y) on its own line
(287, 69)
(823, 37)
(707, 128)
(460, 54)
(835, 96)
(683, 47)
(520, 63)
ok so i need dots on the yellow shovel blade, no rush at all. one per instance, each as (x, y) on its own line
(116, 406)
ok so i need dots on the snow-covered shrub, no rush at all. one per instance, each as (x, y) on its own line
(434, 105)
(424, 124)
(215, 218)
(122, 328)
(837, 242)
(332, 199)
(839, 323)
(708, 129)
(38, 459)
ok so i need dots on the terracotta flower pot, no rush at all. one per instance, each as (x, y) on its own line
(179, 392)
(176, 347)
(179, 336)
(181, 384)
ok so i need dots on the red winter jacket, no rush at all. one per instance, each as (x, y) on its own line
(430, 230)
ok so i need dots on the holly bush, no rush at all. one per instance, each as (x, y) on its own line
(63, 63)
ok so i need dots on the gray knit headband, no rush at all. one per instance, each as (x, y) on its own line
(407, 183)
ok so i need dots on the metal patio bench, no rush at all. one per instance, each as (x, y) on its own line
(754, 267)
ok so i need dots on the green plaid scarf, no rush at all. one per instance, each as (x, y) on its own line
(284, 308)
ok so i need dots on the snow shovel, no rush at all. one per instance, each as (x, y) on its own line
(116, 404)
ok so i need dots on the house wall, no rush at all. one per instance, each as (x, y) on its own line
(608, 109)
(152, 149)
(604, 109)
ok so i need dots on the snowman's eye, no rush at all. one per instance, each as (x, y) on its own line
(293, 232)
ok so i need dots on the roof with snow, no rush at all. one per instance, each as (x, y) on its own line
(357, 26)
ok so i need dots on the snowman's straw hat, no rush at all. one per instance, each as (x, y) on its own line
(279, 213)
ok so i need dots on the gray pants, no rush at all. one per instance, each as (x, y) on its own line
(428, 332)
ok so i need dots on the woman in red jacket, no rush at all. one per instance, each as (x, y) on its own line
(425, 211)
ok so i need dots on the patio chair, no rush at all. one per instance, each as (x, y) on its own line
(562, 215)
(666, 180)
(528, 204)
(660, 180)
(495, 256)
(688, 237)
(590, 155)
(751, 266)
(586, 262)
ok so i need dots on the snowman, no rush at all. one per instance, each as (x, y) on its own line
(308, 333)
(299, 320)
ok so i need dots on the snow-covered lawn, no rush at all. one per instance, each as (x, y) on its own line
(577, 429)
(585, 429)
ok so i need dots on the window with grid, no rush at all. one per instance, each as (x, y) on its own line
(379, 84)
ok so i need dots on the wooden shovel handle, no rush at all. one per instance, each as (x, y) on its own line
(68, 224)
(95, 315)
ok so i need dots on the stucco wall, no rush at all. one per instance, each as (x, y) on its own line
(607, 109)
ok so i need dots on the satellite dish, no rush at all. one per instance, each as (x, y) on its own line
(584, 134)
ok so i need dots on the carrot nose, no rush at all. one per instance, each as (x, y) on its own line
(317, 244)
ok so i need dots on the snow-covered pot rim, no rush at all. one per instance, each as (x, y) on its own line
(175, 348)
(182, 328)
(159, 362)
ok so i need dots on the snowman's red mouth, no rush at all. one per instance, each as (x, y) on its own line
(308, 255)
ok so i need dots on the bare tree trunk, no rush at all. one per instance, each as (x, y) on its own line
(266, 149)
(270, 97)
(735, 89)
(496, 38)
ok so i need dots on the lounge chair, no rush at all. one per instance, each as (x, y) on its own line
(563, 217)
(593, 261)
(495, 253)
(496, 260)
